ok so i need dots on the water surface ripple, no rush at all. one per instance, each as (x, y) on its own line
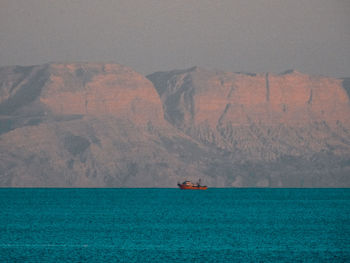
(172, 225)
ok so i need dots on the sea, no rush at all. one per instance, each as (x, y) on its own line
(173, 225)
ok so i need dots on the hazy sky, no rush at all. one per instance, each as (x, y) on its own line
(312, 36)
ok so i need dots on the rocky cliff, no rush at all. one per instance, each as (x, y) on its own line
(79, 89)
(85, 124)
(258, 116)
(104, 125)
(289, 129)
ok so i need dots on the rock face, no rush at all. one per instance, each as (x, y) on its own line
(93, 125)
(95, 152)
(279, 130)
(261, 116)
(104, 125)
(79, 89)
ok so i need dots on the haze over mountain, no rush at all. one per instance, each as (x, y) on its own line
(104, 125)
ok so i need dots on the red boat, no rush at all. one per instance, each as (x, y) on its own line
(188, 185)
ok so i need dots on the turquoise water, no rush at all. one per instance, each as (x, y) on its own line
(171, 225)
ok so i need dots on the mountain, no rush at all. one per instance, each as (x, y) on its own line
(87, 125)
(105, 125)
(289, 129)
(78, 90)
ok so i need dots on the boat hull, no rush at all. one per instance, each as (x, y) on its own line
(194, 187)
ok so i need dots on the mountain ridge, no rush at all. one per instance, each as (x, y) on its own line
(105, 125)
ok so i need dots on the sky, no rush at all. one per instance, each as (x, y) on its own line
(311, 36)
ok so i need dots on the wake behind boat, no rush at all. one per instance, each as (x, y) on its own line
(188, 185)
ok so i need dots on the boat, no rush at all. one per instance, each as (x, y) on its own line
(188, 185)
